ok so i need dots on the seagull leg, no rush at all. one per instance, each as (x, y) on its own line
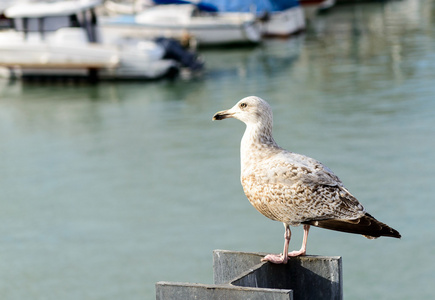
(283, 257)
(304, 243)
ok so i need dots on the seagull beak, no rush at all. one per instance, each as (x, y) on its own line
(224, 114)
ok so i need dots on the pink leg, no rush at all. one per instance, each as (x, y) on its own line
(280, 258)
(303, 250)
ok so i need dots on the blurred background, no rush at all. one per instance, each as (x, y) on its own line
(107, 188)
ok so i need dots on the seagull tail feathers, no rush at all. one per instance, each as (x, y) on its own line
(366, 225)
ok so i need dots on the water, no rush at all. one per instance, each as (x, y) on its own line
(107, 189)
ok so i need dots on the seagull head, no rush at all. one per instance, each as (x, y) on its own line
(249, 110)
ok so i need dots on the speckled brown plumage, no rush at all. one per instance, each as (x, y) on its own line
(293, 188)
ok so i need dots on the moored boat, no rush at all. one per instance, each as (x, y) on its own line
(205, 25)
(63, 39)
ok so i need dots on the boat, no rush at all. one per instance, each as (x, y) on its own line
(185, 20)
(62, 39)
(279, 18)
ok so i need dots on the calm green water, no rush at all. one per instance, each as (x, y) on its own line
(107, 189)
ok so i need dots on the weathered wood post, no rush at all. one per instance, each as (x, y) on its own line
(241, 275)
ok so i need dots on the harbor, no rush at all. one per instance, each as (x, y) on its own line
(88, 39)
(111, 187)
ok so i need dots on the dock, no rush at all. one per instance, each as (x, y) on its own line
(59, 65)
(242, 275)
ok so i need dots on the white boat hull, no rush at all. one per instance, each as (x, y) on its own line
(62, 57)
(284, 23)
(179, 21)
(204, 36)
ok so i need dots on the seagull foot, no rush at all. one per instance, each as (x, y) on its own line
(297, 253)
(275, 258)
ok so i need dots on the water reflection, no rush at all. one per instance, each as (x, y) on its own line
(369, 42)
(269, 59)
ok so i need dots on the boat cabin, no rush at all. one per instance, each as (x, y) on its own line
(47, 17)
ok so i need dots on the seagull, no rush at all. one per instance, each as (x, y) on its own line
(292, 188)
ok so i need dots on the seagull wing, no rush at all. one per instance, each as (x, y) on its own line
(294, 189)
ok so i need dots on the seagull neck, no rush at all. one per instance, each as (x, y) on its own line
(256, 141)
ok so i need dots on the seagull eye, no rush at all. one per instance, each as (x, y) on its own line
(243, 105)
